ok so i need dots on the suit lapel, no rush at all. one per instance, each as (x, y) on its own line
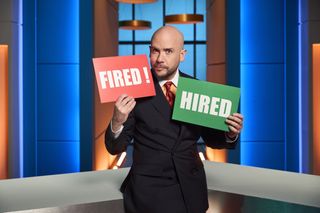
(184, 75)
(161, 105)
(160, 102)
(182, 126)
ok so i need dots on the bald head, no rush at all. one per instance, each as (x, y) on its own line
(166, 52)
(171, 33)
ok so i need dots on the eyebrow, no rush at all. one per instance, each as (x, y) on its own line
(168, 49)
(153, 47)
(162, 49)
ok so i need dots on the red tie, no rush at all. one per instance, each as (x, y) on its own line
(170, 96)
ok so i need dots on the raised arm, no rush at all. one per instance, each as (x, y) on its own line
(120, 129)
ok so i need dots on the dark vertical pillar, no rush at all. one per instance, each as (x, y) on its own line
(233, 58)
(86, 85)
(29, 88)
(291, 86)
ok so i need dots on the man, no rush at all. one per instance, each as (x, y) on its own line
(167, 174)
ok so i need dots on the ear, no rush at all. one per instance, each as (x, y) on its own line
(183, 53)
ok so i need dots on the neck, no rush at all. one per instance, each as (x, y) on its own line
(169, 77)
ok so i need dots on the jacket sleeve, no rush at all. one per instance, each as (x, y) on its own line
(119, 144)
(216, 139)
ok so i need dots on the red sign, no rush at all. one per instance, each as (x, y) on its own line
(123, 75)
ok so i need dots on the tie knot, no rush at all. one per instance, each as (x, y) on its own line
(169, 92)
(168, 85)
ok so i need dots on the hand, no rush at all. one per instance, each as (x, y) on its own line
(123, 106)
(234, 123)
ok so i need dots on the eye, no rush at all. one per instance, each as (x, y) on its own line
(168, 51)
(154, 50)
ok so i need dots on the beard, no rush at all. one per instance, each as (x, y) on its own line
(164, 72)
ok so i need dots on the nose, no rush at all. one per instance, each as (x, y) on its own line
(160, 57)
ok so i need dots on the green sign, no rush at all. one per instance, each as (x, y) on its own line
(205, 103)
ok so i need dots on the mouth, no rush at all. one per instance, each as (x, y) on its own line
(160, 67)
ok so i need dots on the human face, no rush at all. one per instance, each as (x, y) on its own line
(166, 54)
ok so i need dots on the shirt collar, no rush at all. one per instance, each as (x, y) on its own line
(174, 79)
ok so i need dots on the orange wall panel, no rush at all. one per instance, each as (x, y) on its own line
(216, 57)
(217, 155)
(105, 44)
(3, 111)
(316, 107)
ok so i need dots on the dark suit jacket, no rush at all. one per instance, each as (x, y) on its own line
(167, 174)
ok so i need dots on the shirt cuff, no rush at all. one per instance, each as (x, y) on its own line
(116, 133)
(229, 140)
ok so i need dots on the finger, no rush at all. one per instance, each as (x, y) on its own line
(120, 98)
(124, 102)
(236, 119)
(132, 105)
(233, 124)
(238, 115)
(128, 105)
(233, 130)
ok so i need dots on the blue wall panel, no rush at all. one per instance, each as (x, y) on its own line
(263, 154)
(262, 95)
(58, 31)
(147, 12)
(125, 13)
(29, 70)
(292, 86)
(186, 66)
(262, 31)
(58, 102)
(58, 106)
(201, 56)
(262, 83)
(58, 157)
